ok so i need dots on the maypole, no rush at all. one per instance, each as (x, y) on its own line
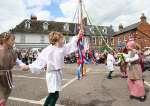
(81, 47)
(81, 16)
(81, 72)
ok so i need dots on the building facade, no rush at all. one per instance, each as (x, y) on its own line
(33, 33)
(140, 31)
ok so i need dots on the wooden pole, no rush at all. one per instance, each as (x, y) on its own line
(81, 15)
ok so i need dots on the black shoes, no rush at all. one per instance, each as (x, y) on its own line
(132, 97)
(141, 99)
(109, 77)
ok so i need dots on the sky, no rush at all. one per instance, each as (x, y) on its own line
(101, 12)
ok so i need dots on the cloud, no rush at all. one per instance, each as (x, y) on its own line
(63, 19)
(14, 11)
(35, 7)
(106, 12)
(44, 15)
(36, 3)
(11, 14)
(102, 12)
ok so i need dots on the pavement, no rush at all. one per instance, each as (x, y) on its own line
(93, 90)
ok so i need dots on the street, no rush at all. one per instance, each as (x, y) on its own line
(93, 90)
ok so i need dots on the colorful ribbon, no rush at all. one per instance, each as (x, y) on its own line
(81, 58)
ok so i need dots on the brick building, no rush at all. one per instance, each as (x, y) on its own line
(140, 31)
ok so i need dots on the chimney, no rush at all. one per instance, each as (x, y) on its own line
(120, 27)
(143, 18)
(33, 18)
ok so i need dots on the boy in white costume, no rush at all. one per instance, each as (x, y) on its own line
(53, 57)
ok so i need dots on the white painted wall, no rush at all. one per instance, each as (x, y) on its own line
(34, 40)
(31, 38)
(18, 37)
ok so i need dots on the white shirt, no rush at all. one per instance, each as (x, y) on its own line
(53, 57)
(110, 62)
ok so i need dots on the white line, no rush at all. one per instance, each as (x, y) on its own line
(25, 100)
(70, 82)
(64, 86)
(22, 76)
(67, 84)
(28, 101)
(42, 100)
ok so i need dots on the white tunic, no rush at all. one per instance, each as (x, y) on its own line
(110, 62)
(53, 57)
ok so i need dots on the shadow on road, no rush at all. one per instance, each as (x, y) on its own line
(69, 102)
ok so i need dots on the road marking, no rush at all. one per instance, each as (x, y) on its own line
(25, 100)
(23, 76)
(29, 101)
(70, 82)
(41, 102)
(67, 84)
(64, 86)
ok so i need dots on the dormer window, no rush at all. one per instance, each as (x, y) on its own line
(27, 24)
(104, 30)
(92, 30)
(45, 25)
(66, 27)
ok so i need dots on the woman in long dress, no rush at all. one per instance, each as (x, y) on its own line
(8, 59)
(135, 79)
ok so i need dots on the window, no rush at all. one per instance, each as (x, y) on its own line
(113, 41)
(107, 41)
(119, 40)
(66, 27)
(124, 38)
(22, 39)
(100, 41)
(45, 26)
(27, 24)
(94, 40)
(92, 29)
(104, 30)
(131, 35)
(42, 39)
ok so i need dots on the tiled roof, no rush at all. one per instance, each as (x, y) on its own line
(128, 28)
(37, 27)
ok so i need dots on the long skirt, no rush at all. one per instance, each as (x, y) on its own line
(123, 70)
(136, 87)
